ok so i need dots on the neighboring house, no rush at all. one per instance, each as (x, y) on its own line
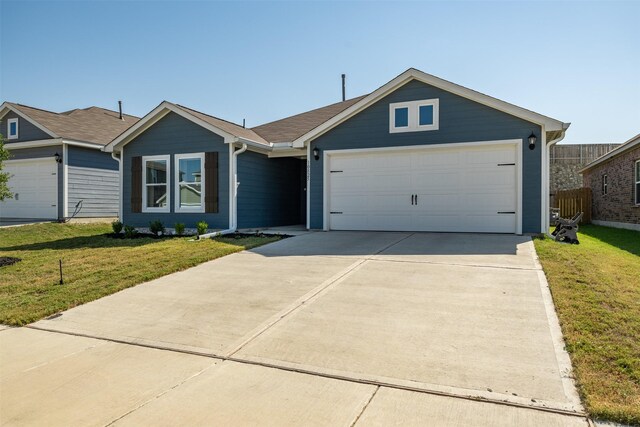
(614, 180)
(418, 154)
(57, 165)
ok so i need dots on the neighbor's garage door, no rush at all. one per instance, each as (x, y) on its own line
(463, 189)
(35, 187)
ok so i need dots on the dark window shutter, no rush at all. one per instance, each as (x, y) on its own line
(136, 184)
(211, 182)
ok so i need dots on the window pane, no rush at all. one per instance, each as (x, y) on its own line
(156, 172)
(638, 172)
(156, 196)
(13, 128)
(190, 195)
(401, 117)
(190, 170)
(426, 115)
(638, 193)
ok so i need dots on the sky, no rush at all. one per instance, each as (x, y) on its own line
(575, 61)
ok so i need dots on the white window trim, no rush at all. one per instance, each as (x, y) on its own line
(637, 181)
(176, 183)
(145, 159)
(605, 184)
(9, 122)
(414, 115)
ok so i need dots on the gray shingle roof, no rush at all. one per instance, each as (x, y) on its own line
(93, 124)
(290, 128)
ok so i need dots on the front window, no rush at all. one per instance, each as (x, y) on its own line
(638, 182)
(414, 116)
(605, 184)
(156, 183)
(190, 182)
(12, 128)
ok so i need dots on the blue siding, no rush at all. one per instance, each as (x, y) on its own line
(269, 191)
(90, 158)
(461, 120)
(26, 130)
(172, 135)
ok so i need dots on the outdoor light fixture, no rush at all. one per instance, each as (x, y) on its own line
(316, 153)
(532, 141)
(57, 157)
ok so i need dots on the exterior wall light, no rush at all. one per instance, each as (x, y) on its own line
(316, 153)
(58, 158)
(532, 141)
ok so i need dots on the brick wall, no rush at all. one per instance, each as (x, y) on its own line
(618, 205)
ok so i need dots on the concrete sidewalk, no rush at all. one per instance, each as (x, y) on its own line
(322, 329)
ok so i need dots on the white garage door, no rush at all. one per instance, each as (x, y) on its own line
(463, 189)
(35, 187)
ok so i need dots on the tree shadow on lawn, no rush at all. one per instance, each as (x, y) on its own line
(627, 240)
(86, 242)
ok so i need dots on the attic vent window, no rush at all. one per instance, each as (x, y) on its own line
(414, 116)
(12, 129)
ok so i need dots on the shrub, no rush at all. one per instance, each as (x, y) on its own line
(156, 227)
(129, 231)
(116, 226)
(202, 227)
(179, 227)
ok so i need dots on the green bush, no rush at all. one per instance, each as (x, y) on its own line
(156, 227)
(116, 226)
(202, 227)
(179, 227)
(129, 231)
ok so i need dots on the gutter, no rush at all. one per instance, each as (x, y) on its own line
(234, 206)
(551, 143)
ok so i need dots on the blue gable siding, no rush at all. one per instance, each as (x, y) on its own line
(27, 131)
(173, 135)
(90, 158)
(461, 120)
(269, 191)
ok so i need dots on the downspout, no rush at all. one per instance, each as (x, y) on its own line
(547, 222)
(119, 160)
(234, 205)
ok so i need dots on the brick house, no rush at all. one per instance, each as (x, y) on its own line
(614, 180)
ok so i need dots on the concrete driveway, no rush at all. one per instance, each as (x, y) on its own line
(338, 328)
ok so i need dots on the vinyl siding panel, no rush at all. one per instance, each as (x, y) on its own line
(269, 191)
(171, 135)
(27, 131)
(460, 120)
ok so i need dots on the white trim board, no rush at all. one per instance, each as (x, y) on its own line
(49, 143)
(413, 74)
(517, 143)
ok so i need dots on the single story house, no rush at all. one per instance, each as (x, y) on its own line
(57, 166)
(614, 180)
(417, 154)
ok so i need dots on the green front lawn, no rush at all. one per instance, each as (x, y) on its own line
(94, 265)
(596, 291)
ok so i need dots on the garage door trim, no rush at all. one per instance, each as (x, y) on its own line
(327, 154)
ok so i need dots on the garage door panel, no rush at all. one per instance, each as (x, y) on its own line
(35, 188)
(458, 189)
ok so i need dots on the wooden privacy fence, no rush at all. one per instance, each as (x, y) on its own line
(571, 202)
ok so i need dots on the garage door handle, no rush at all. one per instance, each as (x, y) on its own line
(416, 199)
(412, 200)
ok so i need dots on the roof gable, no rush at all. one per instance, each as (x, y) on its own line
(550, 124)
(229, 131)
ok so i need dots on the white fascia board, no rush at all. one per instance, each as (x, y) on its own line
(33, 144)
(413, 74)
(253, 145)
(83, 144)
(5, 107)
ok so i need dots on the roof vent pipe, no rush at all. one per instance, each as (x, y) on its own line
(242, 122)
(344, 76)
(120, 109)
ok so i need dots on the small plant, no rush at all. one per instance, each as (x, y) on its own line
(202, 227)
(179, 227)
(116, 226)
(156, 227)
(130, 231)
